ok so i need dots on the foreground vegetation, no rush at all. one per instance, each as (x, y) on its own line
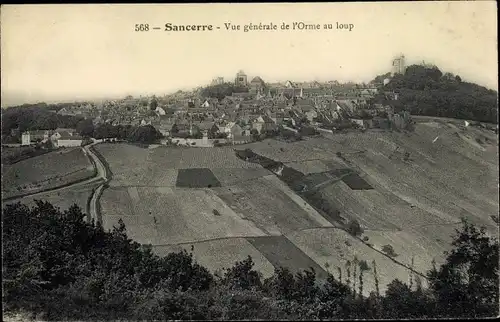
(58, 266)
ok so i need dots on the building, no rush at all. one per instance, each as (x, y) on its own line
(311, 115)
(205, 104)
(257, 85)
(218, 81)
(233, 129)
(264, 123)
(398, 65)
(241, 79)
(68, 140)
(29, 137)
(160, 111)
(26, 138)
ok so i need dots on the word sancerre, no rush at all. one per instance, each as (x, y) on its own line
(170, 27)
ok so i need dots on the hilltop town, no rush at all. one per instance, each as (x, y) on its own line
(240, 110)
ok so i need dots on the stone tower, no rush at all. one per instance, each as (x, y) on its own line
(241, 79)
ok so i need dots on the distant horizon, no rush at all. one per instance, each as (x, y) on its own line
(191, 88)
(68, 53)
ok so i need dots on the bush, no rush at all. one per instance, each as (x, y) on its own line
(389, 250)
(60, 267)
(363, 265)
(354, 228)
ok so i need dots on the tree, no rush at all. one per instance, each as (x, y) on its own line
(63, 267)
(145, 134)
(85, 128)
(466, 285)
(354, 228)
(424, 90)
(174, 129)
(389, 250)
(242, 276)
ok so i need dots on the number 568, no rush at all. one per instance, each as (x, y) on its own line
(142, 27)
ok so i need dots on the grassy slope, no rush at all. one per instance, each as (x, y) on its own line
(414, 205)
(50, 170)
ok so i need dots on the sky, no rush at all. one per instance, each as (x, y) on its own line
(75, 52)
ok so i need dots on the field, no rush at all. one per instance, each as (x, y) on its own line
(333, 248)
(263, 202)
(222, 253)
(282, 252)
(407, 190)
(12, 155)
(63, 199)
(165, 216)
(46, 171)
(196, 178)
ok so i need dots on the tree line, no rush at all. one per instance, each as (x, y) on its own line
(59, 266)
(36, 117)
(424, 90)
(146, 134)
(220, 91)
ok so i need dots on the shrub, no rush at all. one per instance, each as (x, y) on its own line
(363, 265)
(389, 250)
(216, 212)
(354, 228)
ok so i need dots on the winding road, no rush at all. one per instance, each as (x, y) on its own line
(101, 174)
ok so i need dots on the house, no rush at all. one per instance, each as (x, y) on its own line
(214, 131)
(68, 140)
(202, 127)
(29, 137)
(58, 133)
(358, 122)
(277, 117)
(311, 115)
(205, 104)
(25, 138)
(382, 123)
(233, 129)
(241, 139)
(257, 85)
(160, 111)
(180, 129)
(263, 123)
(165, 126)
(67, 111)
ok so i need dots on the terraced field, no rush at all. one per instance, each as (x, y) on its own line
(45, 171)
(414, 190)
(62, 199)
(164, 216)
